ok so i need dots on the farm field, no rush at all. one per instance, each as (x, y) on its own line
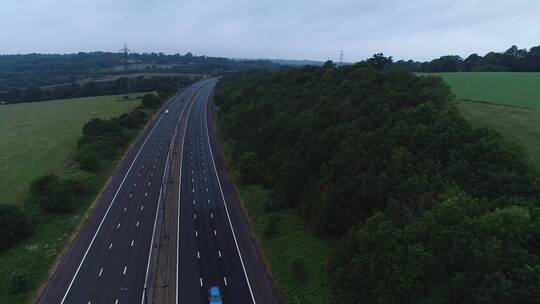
(37, 137)
(515, 124)
(516, 89)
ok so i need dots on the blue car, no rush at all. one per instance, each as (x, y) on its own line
(214, 295)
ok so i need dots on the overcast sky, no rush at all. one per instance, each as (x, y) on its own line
(295, 29)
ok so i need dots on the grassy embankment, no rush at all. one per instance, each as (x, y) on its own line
(506, 102)
(38, 138)
(291, 240)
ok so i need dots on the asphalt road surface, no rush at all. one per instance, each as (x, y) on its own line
(108, 261)
(208, 255)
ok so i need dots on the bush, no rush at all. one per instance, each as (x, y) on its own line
(271, 226)
(89, 162)
(40, 185)
(298, 268)
(250, 167)
(14, 225)
(150, 101)
(133, 119)
(56, 196)
(19, 281)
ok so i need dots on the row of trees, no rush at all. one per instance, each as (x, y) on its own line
(22, 71)
(424, 208)
(164, 85)
(512, 60)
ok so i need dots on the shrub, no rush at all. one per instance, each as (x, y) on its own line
(19, 281)
(133, 119)
(14, 225)
(150, 101)
(58, 197)
(271, 226)
(40, 185)
(250, 167)
(298, 268)
(89, 162)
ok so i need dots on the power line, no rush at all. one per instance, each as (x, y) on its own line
(125, 69)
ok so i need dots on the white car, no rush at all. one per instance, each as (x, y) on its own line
(167, 111)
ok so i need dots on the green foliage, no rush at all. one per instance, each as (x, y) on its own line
(343, 142)
(15, 225)
(364, 155)
(298, 268)
(251, 167)
(272, 225)
(379, 61)
(462, 250)
(133, 119)
(58, 202)
(513, 59)
(19, 281)
(151, 101)
(56, 196)
(104, 140)
(516, 124)
(69, 72)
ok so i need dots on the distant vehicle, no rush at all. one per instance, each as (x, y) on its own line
(167, 111)
(214, 295)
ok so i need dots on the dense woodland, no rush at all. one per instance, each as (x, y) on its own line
(512, 60)
(37, 70)
(423, 207)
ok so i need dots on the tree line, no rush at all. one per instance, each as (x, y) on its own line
(512, 60)
(22, 71)
(74, 90)
(422, 207)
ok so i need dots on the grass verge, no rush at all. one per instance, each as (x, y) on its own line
(290, 243)
(30, 260)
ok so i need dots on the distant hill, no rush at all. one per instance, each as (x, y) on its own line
(287, 62)
(38, 70)
(297, 62)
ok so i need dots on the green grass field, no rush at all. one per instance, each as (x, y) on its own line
(519, 125)
(517, 89)
(505, 102)
(37, 137)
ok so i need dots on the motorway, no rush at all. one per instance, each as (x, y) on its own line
(208, 251)
(110, 259)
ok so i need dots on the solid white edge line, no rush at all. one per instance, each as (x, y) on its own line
(109, 208)
(223, 196)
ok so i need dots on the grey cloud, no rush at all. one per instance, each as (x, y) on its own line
(418, 29)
